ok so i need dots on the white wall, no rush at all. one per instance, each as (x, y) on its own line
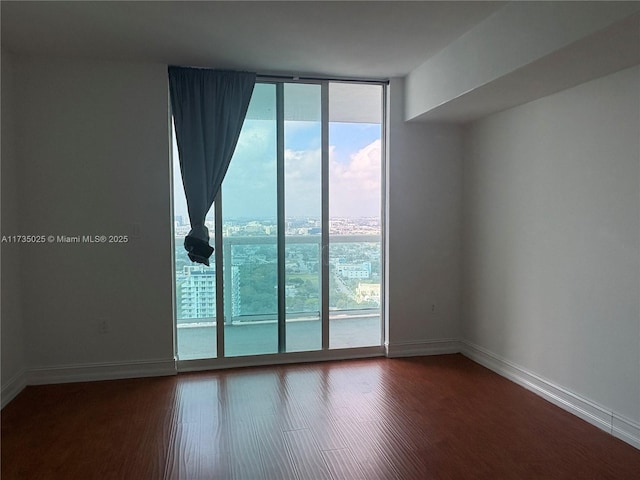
(423, 231)
(551, 239)
(95, 161)
(525, 50)
(13, 364)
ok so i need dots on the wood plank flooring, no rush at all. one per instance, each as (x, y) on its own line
(441, 417)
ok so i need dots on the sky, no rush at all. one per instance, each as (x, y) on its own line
(249, 188)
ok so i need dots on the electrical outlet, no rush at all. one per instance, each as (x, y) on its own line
(104, 326)
(433, 308)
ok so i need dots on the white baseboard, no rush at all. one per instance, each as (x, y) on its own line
(603, 418)
(101, 371)
(13, 387)
(426, 347)
(625, 429)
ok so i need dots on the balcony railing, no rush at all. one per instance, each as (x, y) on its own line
(232, 304)
(273, 318)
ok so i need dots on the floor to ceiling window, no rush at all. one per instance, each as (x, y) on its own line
(300, 226)
(250, 232)
(355, 223)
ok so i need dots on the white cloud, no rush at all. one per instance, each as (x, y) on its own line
(355, 186)
(302, 183)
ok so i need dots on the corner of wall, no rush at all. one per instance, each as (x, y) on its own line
(13, 377)
(550, 277)
(423, 232)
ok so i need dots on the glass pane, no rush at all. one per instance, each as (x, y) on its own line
(195, 283)
(249, 209)
(355, 189)
(303, 211)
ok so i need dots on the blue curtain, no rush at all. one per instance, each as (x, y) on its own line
(209, 107)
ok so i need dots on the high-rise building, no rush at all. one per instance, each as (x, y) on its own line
(198, 289)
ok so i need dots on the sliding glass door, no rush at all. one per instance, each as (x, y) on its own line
(299, 225)
(250, 232)
(303, 216)
(355, 222)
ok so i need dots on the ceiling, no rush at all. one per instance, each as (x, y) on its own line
(361, 39)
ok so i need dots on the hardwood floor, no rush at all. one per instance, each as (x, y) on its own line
(441, 417)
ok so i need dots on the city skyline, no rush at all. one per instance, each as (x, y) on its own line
(293, 226)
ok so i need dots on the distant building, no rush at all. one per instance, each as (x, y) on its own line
(368, 292)
(236, 301)
(182, 230)
(198, 291)
(354, 270)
